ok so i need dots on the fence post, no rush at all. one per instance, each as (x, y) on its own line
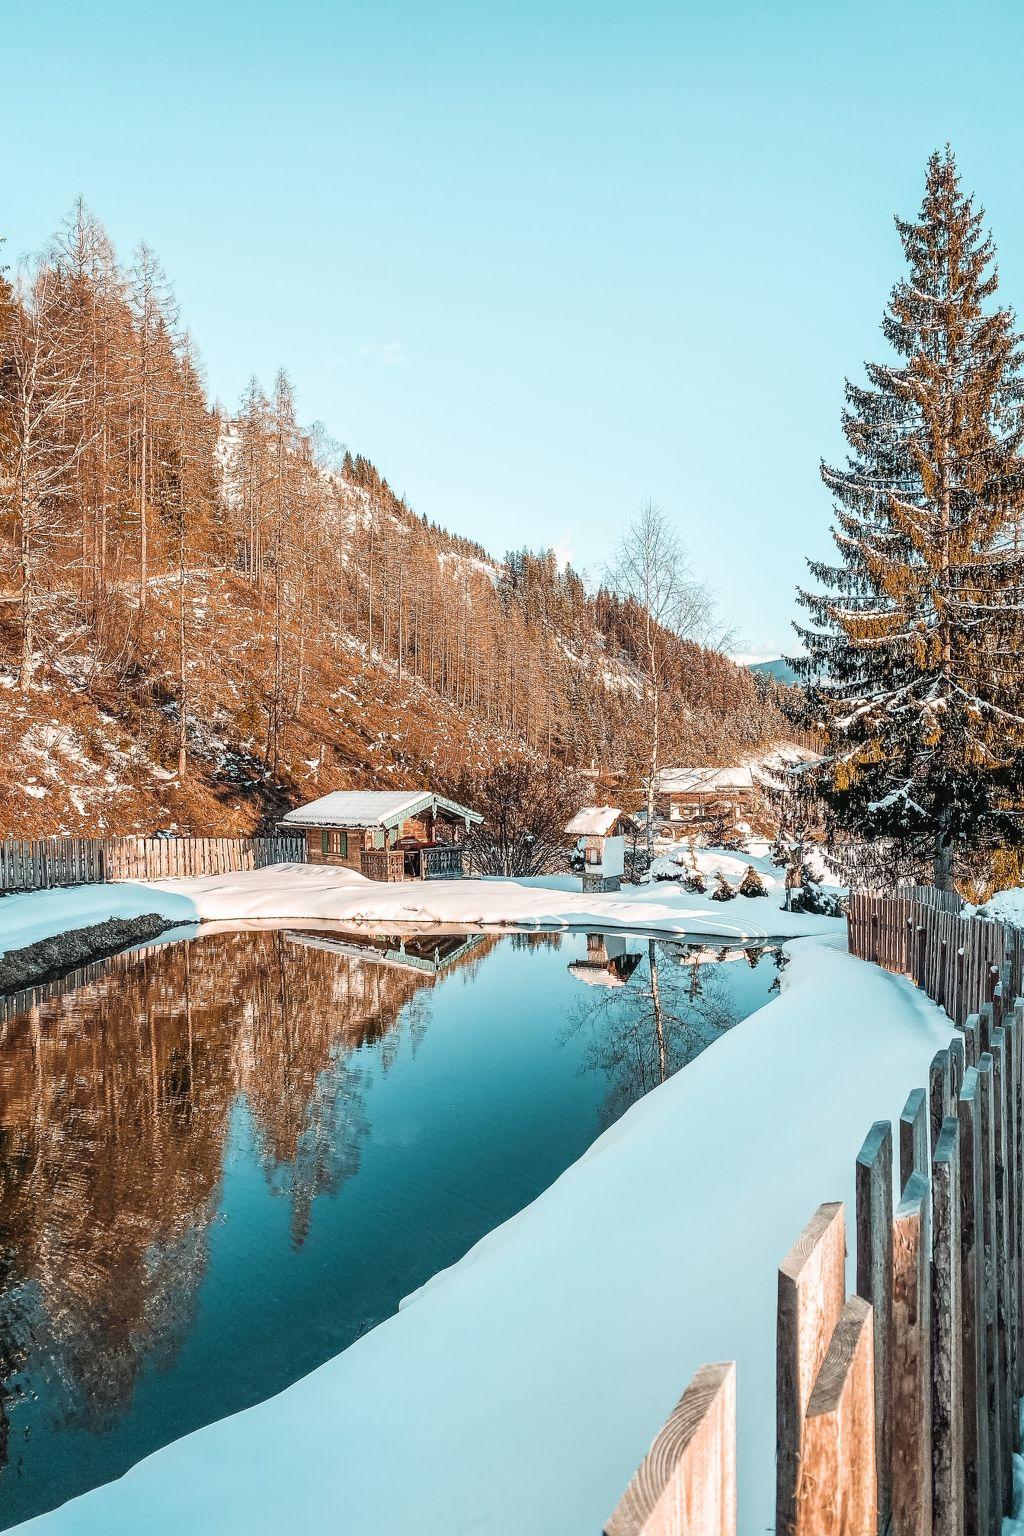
(972, 1300)
(837, 1472)
(911, 1363)
(947, 1421)
(993, 1360)
(811, 1296)
(874, 1284)
(914, 1155)
(686, 1484)
(1004, 1275)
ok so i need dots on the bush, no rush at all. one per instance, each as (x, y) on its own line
(810, 898)
(723, 891)
(752, 884)
(695, 882)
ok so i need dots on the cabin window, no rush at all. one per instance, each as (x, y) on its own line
(334, 843)
(325, 842)
(593, 855)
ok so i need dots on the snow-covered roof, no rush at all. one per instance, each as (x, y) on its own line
(371, 808)
(596, 975)
(594, 821)
(705, 780)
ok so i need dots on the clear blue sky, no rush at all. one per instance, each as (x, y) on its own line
(537, 260)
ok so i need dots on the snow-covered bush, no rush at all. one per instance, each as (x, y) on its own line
(813, 899)
(752, 884)
(779, 854)
(694, 881)
(723, 891)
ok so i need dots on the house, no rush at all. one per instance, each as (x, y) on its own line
(389, 834)
(608, 964)
(701, 794)
(598, 833)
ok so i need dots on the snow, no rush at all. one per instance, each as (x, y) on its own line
(593, 821)
(1007, 906)
(330, 893)
(708, 780)
(518, 1390)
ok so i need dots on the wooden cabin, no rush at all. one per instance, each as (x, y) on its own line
(704, 794)
(385, 834)
(598, 835)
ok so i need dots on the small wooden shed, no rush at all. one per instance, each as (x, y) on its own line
(385, 834)
(598, 832)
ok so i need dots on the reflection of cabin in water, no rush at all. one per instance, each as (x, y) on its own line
(598, 832)
(430, 954)
(608, 964)
(385, 834)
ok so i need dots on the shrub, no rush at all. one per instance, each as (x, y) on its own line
(752, 884)
(723, 891)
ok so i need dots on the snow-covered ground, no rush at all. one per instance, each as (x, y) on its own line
(295, 892)
(517, 1391)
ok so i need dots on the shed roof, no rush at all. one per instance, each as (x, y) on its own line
(594, 821)
(372, 808)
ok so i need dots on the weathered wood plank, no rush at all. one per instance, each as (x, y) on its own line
(686, 1484)
(873, 1180)
(911, 1363)
(914, 1152)
(972, 1309)
(836, 1494)
(947, 1401)
(811, 1296)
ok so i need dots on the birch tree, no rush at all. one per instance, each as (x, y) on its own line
(662, 602)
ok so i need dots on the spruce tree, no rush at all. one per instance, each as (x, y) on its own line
(913, 665)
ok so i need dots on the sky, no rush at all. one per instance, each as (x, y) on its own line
(539, 261)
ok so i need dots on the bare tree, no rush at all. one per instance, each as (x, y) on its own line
(662, 602)
(40, 450)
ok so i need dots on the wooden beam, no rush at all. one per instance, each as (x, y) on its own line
(811, 1296)
(686, 1484)
(911, 1363)
(836, 1494)
(874, 1284)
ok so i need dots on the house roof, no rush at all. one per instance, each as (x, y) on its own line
(705, 780)
(594, 821)
(371, 808)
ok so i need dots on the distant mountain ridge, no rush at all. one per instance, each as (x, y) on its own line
(779, 669)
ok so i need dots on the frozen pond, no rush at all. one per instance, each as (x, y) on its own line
(222, 1160)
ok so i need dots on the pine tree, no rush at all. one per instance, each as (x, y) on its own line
(912, 662)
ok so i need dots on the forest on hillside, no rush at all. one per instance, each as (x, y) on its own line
(207, 614)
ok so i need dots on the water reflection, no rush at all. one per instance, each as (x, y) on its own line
(222, 1160)
(641, 1028)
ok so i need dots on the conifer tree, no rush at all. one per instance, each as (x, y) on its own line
(913, 651)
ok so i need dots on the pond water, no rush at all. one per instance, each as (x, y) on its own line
(223, 1159)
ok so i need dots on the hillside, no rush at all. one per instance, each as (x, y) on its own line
(207, 617)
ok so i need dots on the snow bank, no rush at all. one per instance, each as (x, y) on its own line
(518, 1390)
(1007, 906)
(324, 892)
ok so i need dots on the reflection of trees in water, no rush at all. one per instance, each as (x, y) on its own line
(646, 1021)
(117, 1106)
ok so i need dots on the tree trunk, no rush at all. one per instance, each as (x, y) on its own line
(659, 1022)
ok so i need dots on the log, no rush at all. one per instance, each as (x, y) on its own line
(873, 1177)
(686, 1484)
(811, 1296)
(911, 1363)
(836, 1494)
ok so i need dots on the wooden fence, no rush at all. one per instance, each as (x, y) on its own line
(897, 1407)
(956, 960)
(57, 861)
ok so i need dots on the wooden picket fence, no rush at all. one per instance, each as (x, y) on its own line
(897, 1407)
(956, 960)
(58, 861)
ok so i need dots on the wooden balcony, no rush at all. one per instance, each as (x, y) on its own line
(440, 861)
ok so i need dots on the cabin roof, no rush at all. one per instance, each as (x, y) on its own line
(372, 808)
(594, 821)
(705, 780)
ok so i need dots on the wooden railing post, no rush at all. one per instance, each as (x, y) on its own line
(837, 1490)
(812, 1293)
(911, 1363)
(947, 1403)
(874, 1284)
(972, 1307)
(686, 1484)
